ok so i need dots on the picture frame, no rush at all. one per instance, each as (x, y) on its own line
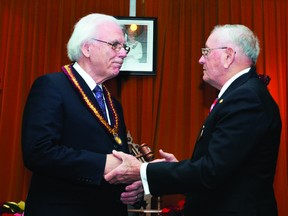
(140, 34)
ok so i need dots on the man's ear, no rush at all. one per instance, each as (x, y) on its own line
(86, 49)
(230, 55)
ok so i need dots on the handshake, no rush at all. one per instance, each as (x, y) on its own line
(125, 168)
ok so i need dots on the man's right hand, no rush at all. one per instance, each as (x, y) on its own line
(127, 173)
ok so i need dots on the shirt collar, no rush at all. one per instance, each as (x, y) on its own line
(228, 83)
(87, 78)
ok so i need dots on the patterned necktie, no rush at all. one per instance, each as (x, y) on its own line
(214, 103)
(100, 99)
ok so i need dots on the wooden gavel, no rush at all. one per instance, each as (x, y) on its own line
(141, 152)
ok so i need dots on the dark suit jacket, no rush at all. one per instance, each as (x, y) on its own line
(65, 147)
(232, 168)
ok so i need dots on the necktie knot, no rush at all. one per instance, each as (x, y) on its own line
(100, 99)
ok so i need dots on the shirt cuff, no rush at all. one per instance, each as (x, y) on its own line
(144, 178)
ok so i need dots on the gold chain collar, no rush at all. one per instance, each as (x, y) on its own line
(111, 129)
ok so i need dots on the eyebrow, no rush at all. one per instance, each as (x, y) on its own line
(115, 41)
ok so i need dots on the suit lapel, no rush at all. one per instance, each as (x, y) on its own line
(84, 86)
(238, 82)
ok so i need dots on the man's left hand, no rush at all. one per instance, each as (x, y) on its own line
(133, 194)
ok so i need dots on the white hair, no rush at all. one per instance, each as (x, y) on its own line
(242, 37)
(84, 30)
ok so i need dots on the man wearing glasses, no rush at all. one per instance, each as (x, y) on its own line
(71, 124)
(231, 170)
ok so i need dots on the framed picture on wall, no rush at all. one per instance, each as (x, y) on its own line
(140, 34)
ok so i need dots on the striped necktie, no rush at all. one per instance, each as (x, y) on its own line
(213, 104)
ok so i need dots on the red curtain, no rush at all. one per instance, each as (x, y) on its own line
(166, 110)
(33, 39)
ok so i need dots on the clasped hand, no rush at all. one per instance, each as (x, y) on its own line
(129, 170)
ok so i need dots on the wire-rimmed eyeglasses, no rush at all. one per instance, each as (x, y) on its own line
(117, 46)
(205, 51)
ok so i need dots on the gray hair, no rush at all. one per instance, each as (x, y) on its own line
(84, 30)
(242, 37)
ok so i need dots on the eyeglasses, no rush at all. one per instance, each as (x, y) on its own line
(205, 51)
(117, 46)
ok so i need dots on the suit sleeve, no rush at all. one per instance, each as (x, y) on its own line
(231, 138)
